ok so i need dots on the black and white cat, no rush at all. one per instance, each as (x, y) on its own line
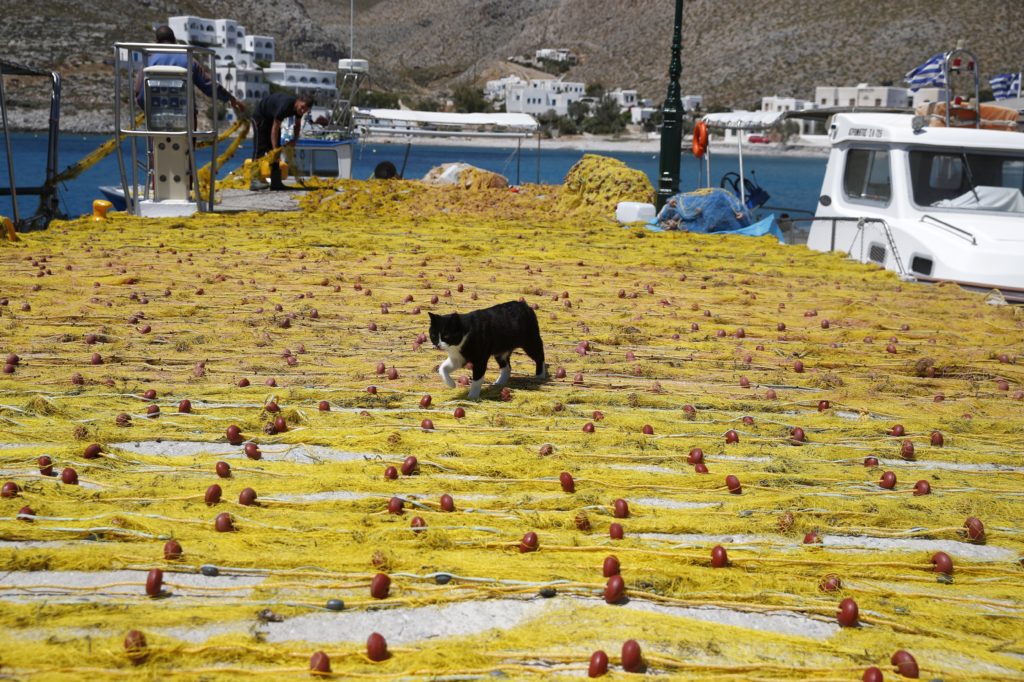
(476, 336)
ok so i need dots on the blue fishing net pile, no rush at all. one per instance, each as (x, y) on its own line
(712, 210)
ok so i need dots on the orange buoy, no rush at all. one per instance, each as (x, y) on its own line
(700, 139)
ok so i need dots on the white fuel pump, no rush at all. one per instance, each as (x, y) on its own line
(167, 112)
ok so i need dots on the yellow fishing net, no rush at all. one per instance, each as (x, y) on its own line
(657, 344)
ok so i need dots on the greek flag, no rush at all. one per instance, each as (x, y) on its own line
(1005, 85)
(929, 73)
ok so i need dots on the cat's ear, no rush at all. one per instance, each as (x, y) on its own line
(432, 315)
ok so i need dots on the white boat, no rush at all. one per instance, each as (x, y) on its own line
(933, 198)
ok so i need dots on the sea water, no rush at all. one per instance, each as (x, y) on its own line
(792, 181)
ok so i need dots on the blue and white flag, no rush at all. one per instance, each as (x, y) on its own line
(928, 74)
(1005, 85)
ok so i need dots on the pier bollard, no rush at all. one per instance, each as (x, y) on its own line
(99, 209)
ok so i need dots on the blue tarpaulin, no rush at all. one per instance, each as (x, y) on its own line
(718, 211)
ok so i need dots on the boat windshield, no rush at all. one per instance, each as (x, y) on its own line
(968, 181)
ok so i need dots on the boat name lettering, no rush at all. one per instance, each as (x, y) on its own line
(866, 132)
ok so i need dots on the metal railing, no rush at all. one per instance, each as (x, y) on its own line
(862, 222)
(49, 203)
(958, 231)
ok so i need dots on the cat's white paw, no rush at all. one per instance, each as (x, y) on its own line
(444, 370)
(474, 389)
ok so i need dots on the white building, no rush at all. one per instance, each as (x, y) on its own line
(692, 102)
(555, 55)
(227, 38)
(194, 30)
(626, 99)
(227, 33)
(861, 95)
(776, 103)
(302, 80)
(639, 115)
(926, 95)
(645, 108)
(245, 84)
(537, 97)
(496, 90)
(262, 48)
(237, 55)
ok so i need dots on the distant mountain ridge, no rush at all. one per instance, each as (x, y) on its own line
(734, 51)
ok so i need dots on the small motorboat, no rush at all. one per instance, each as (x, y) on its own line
(934, 195)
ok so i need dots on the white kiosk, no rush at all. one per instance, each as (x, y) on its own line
(162, 150)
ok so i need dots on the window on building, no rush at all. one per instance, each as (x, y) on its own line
(866, 176)
(878, 101)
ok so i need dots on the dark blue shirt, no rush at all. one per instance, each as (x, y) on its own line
(275, 107)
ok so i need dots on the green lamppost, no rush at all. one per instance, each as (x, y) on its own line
(672, 124)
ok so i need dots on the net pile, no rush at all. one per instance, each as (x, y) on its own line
(657, 344)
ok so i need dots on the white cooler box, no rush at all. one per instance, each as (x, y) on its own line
(634, 212)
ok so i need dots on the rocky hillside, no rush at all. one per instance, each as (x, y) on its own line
(734, 51)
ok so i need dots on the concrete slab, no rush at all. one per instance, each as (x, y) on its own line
(947, 466)
(237, 200)
(409, 625)
(954, 548)
(406, 625)
(284, 452)
(48, 585)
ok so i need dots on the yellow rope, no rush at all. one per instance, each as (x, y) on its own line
(91, 159)
(241, 127)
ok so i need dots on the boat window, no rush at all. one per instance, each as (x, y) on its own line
(867, 175)
(968, 181)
